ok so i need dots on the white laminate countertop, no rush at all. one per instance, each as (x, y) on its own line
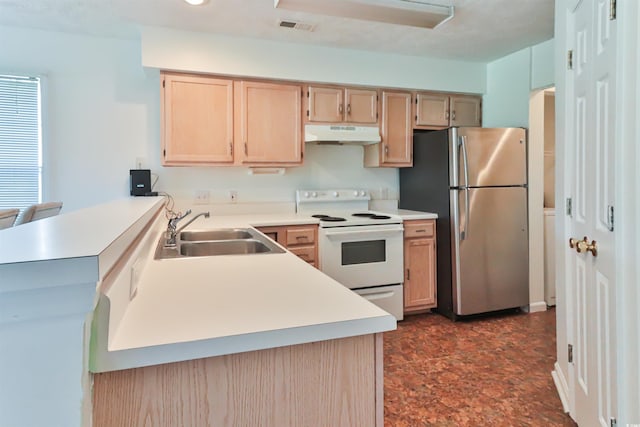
(190, 308)
(407, 215)
(82, 233)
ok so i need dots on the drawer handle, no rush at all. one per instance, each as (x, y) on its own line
(422, 230)
(302, 238)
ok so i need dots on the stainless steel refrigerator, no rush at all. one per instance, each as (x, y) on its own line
(475, 179)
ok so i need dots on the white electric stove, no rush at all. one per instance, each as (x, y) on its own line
(359, 248)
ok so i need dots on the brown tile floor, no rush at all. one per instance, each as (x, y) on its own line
(493, 371)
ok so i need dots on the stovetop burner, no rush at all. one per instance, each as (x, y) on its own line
(371, 215)
(328, 218)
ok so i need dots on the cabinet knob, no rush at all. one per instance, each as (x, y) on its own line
(348, 108)
(340, 109)
(386, 149)
(453, 115)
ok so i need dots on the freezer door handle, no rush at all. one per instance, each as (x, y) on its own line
(465, 170)
(465, 159)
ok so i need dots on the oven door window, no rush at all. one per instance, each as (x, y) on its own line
(364, 252)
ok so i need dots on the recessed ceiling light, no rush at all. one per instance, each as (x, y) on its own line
(196, 2)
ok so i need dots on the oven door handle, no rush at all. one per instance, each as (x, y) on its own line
(371, 235)
(377, 295)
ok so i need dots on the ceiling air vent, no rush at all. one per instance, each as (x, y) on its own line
(302, 26)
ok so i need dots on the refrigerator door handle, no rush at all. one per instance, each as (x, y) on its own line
(465, 170)
(464, 234)
(465, 159)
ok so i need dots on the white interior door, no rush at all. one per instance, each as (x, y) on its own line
(590, 177)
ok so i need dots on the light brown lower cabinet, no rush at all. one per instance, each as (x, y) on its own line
(326, 383)
(301, 240)
(419, 265)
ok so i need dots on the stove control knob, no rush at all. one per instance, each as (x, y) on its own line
(355, 193)
(363, 193)
(314, 194)
(336, 194)
(306, 194)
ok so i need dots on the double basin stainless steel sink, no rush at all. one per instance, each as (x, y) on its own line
(221, 241)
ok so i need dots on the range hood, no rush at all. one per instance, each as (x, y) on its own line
(341, 134)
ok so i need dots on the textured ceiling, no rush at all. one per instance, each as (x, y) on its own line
(481, 30)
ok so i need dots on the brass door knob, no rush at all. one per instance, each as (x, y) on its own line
(584, 245)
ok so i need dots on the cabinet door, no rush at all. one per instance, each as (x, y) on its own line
(420, 274)
(270, 123)
(397, 132)
(197, 120)
(325, 104)
(361, 106)
(432, 110)
(465, 111)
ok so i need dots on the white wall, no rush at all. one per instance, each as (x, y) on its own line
(102, 108)
(506, 102)
(164, 48)
(511, 79)
(542, 65)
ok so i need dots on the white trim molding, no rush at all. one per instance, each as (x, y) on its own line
(535, 307)
(561, 386)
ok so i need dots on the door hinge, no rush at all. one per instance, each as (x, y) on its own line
(376, 116)
(164, 153)
(570, 353)
(307, 94)
(570, 60)
(162, 83)
(307, 113)
(568, 207)
(613, 10)
(610, 219)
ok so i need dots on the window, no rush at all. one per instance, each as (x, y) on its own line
(20, 142)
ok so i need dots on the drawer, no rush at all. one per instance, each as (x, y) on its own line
(307, 253)
(419, 229)
(300, 236)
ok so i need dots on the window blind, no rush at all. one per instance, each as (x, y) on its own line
(20, 142)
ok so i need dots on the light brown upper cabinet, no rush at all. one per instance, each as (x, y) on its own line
(466, 110)
(217, 121)
(268, 123)
(342, 105)
(197, 120)
(436, 110)
(395, 150)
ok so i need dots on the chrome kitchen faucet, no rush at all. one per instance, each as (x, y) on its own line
(172, 231)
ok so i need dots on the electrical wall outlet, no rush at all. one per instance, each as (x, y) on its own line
(140, 162)
(233, 196)
(201, 197)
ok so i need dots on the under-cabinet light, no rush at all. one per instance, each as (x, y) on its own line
(415, 13)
